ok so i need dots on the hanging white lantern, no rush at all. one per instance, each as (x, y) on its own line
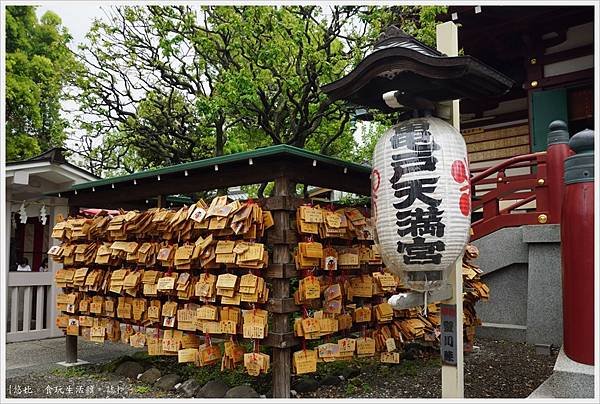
(421, 200)
(23, 213)
(43, 215)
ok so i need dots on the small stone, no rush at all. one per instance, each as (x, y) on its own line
(213, 389)
(167, 382)
(243, 391)
(150, 376)
(350, 372)
(129, 369)
(188, 388)
(306, 385)
(331, 380)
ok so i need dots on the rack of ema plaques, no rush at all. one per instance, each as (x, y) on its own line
(214, 284)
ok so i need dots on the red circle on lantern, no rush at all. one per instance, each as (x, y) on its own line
(465, 204)
(374, 187)
(459, 171)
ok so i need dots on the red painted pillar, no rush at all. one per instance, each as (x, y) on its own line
(577, 238)
(558, 150)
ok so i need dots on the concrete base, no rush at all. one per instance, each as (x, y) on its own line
(570, 380)
(71, 364)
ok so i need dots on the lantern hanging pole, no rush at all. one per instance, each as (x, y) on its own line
(452, 371)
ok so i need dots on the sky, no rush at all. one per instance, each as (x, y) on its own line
(77, 18)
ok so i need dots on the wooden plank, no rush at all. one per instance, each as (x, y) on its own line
(39, 307)
(14, 309)
(497, 119)
(493, 134)
(498, 143)
(499, 153)
(27, 308)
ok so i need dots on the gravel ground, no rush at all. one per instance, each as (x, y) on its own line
(497, 369)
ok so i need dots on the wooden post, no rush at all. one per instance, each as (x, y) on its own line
(71, 349)
(161, 201)
(453, 376)
(282, 359)
(71, 340)
(61, 207)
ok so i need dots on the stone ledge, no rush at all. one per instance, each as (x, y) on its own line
(541, 233)
(568, 365)
(510, 332)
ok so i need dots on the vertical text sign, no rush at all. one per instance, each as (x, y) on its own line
(448, 337)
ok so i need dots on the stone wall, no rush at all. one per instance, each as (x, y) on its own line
(522, 267)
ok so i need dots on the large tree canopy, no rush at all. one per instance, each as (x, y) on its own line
(174, 84)
(38, 66)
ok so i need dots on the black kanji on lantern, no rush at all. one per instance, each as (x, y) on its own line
(416, 153)
(421, 251)
(420, 144)
(411, 162)
(409, 191)
(413, 135)
(421, 222)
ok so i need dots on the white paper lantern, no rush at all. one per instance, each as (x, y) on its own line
(421, 200)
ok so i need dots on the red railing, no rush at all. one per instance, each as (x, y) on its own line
(521, 189)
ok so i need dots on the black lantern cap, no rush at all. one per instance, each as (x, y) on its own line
(419, 75)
